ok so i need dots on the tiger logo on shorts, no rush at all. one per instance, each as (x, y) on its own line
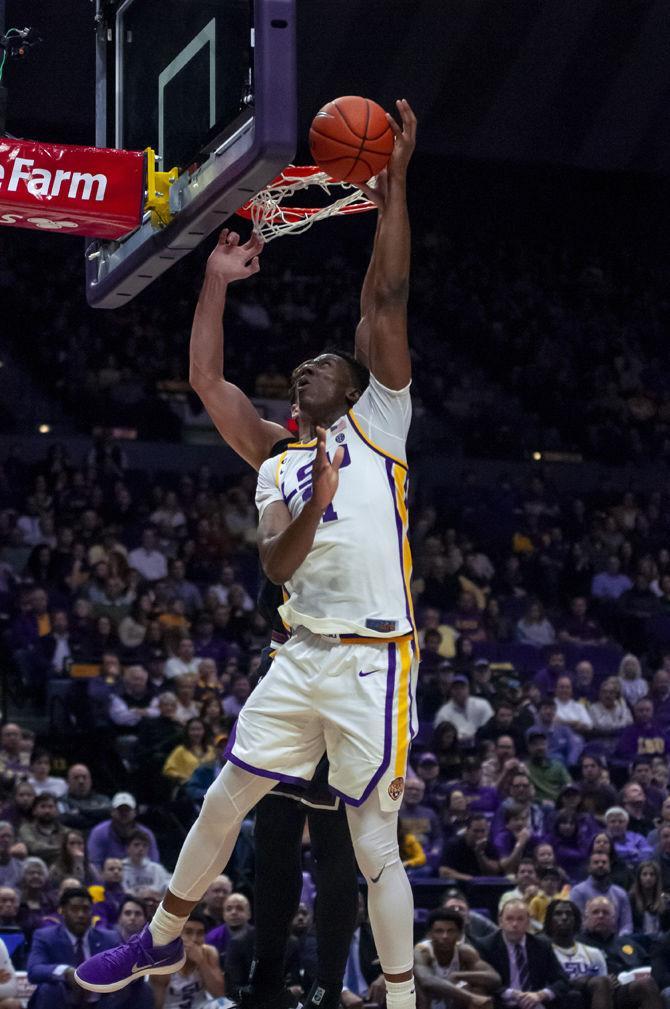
(396, 788)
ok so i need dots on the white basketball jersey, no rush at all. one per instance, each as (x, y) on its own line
(356, 578)
(186, 991)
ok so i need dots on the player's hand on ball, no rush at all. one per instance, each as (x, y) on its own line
(405, 138)
(325, 475)
(231, 261)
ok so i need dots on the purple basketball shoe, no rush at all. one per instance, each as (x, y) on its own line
(115, 968)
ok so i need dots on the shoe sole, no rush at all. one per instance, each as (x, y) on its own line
(103, 989)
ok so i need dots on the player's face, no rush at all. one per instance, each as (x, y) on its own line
(444, 935)
(563, 919)
(323, 385)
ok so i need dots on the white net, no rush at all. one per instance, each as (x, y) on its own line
(271, 218)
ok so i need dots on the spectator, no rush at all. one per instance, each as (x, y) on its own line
(211, 908)
(72, 861)
(609, 715)
(620, 873)
(648, 904)
(436, 790)
(140, 870)
(40, 775)
(132, 918)
(421, 820)
(132, 700)
(184, 689)
(9, 985)
(654, 836)
(10, 867)
(534, 628)
(570, 840)
(640, 813)
(17, 810)
(515, 840)
(411, 851)
(580, 628)
(480, 798)
(611, 583)
(583, 682)
(642, 772)
(522, 795)
(148, 559)
(43, 835)
(200, 974)
(546, 679)
(58, 949)
(548, 776)
(193, 751)
(598, 884)
(467, 620)
(632, 683)
(185, 660)
(527, 885)
(204, 775)
(110, 894)
(13, 758)
(239, 692)
(585, 966)
(630, 847)
(9, 909)
(446, 753)
(551, 886)
(502, 763)
(81, 806)
(597, 794)
(157, 737)
(501, 723)
(472, 854)
(622, 954)
(570, 712)
(466, 713)
(562, 743)
(36, 901)
(525, 964)
(109, 838)
(660, 695)
(236, 932)
(444, 965)
(645, 736)
(476, 926)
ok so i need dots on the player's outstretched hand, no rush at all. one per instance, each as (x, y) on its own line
(231, 261)
(403, 148)
(325, 475)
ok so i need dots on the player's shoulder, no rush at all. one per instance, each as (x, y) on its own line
(377, 390)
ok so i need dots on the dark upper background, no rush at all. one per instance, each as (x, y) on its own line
(569, 82)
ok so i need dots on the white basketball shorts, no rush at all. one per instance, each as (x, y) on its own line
(355, 700)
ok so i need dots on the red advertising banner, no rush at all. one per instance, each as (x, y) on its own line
(76, 190)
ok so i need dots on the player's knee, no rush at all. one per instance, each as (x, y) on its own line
(374, 854)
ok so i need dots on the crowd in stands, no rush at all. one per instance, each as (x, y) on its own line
(539, 788)
(523, 338)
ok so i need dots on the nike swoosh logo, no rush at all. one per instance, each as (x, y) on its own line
(375, 879)
(368, 673)
(134, 969)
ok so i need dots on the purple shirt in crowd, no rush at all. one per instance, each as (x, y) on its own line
(103, 842)
(649, 740)
(581, 894)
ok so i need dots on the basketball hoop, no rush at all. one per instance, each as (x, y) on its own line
(271, 218)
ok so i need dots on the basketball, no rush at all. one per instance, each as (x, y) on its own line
(350, 138)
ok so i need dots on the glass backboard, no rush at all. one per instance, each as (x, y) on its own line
(210, 85)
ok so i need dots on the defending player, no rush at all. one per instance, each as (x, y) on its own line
(333, 530)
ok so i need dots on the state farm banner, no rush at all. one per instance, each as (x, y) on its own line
(76, 190)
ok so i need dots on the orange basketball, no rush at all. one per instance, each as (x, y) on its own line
(350, 138)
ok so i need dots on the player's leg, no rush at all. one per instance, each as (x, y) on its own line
(336, 908)
(278, 847)
(374, 834)
(158, 949)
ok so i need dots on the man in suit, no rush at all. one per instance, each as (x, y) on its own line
(531, 974)
(58, 949)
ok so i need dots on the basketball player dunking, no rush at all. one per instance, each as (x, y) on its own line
(333, 531)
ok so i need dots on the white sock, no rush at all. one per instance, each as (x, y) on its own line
(400, 994)
(165, 927)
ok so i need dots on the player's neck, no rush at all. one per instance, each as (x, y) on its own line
(307, 425)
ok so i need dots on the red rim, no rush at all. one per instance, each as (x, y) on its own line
(293, 214)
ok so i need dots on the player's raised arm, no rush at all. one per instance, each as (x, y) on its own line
(389, 358)
(363, 329)
(231, 411)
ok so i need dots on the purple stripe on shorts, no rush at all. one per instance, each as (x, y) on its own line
(388, 734)
(398, 523)
(289, 779)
